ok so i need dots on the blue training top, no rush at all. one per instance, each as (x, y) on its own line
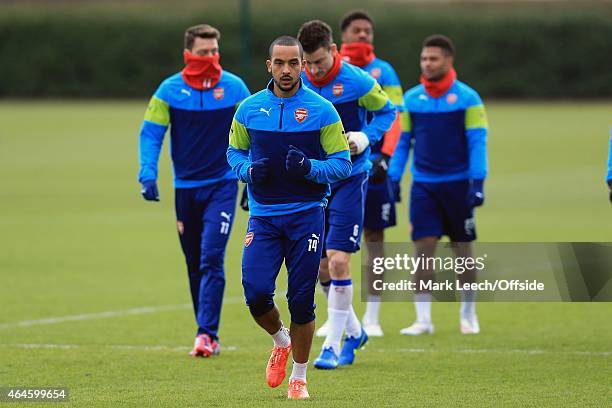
(354, 93)
(265, 126)
(199, 122)
(449, 136)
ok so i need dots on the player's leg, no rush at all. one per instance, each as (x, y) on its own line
(302, 256)
(426, 217)
(324, 277)
(462, 231)
(189, 226)
(261, 261)
(325, 283)
(218, 214)
(342, 239)
(379, 214)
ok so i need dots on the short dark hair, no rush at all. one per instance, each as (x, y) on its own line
(352, 16)
(200, 31)
(315, 34)
(287, 41)
(442, 41)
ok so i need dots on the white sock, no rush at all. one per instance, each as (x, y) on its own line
(281, 338)
(422, 305)
(337, 321)
(299, 371)
(468, 304)
(353, 326)
(372, 310)
(338, 310)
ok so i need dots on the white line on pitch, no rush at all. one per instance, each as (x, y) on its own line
(498, 351)
(109, 346)
(108, 314)
(393, 350)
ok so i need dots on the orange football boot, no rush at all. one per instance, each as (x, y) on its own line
(205, 347)
(277, 366)
(297, 390)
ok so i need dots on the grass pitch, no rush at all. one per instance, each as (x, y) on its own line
(94, 294)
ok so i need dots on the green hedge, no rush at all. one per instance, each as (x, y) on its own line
(113, 56)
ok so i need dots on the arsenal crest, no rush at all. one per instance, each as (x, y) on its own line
(451, 98)
(301, 114)
(338, 89)
(375, 72)
(218, 93)
(248, 239)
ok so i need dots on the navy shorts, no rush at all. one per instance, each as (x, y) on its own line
(344, 213)
(380, 206)
(295, 239)
(438, 209)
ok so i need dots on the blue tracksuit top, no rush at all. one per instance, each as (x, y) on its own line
(448, 134)
(354, 93)
(265, 125)
(199, 122)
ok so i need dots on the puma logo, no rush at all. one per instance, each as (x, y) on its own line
(267, 112)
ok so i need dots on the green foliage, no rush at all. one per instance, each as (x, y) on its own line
(113, 54)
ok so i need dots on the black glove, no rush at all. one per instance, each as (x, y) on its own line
(149, 190)
(610, 185)
(297, 163)
(258, 172)
(244, 200)
(379, 169)
(397, 191)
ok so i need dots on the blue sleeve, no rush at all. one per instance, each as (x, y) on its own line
(150, 144)
(376, 101)
(476, 128)
(336, 167)
(609, 178)
(400, 157)
(238, 160)
(477, 150)
(382, 120)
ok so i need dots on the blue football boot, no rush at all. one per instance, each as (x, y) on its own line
(351, 344)
(327, 360)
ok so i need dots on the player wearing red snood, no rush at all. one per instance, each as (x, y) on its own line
(198, 105)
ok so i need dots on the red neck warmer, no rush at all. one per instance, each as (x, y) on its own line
(438, 88)
(358, 53)
(331, 74)
(201, 72)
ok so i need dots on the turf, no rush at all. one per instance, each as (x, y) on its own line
(76, 238)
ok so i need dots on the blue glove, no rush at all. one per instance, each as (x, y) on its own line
(297, 163)
(397, 191)
(476, 196)
(149, 190)
(258, 171)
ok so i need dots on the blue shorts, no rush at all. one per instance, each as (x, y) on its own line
(379, 206)
(344, 214)
(294, 238)
(438, 209)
